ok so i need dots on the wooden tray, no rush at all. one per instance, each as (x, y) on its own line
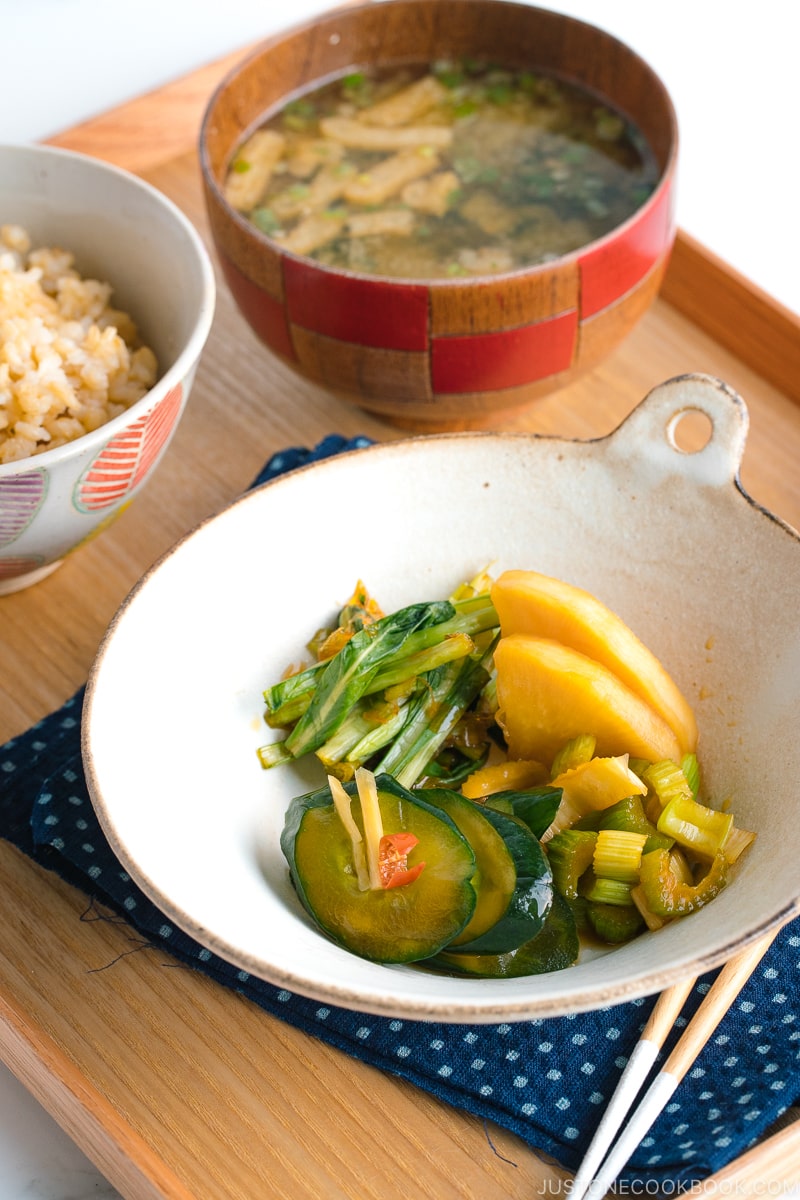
(174, 1086)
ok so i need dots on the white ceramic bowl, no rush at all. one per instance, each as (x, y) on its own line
(123, 231)
(668, 539)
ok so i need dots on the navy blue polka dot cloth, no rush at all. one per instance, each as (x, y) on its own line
(547, 1080)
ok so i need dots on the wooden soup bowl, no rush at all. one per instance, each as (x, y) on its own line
(455, 353)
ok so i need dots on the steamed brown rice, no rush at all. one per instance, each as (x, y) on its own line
(69, 362)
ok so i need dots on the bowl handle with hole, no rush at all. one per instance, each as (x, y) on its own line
(654, 421)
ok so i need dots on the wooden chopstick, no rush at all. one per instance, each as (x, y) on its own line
(637, 1068)
(721, 995)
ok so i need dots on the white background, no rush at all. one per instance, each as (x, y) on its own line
(732, 71)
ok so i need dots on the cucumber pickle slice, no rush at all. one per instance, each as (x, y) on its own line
(531, 898)
(495, 878)
(393, 925)
(554, 948)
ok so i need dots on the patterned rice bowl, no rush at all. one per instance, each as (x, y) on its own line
(122, 230)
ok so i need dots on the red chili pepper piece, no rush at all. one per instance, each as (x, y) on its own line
(393, 855)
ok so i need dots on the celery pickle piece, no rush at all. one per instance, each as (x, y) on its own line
(618, 855)
(571, 853)
(629, 814)
(695, 826)
(614, 923)
(668, 895)
(388, 925)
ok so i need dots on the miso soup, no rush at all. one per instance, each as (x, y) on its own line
(431, 172)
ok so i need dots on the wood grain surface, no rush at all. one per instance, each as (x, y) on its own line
(173, 1085)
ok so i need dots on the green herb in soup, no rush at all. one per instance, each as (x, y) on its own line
(435, 172)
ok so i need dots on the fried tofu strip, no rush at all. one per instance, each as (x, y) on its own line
(489, 213)
(300, 200)
(252, 169)
(431, 195)
(406, 105)
(306, 155)
(488, 260)
(358, 135)
(390, 175)
(396, 221)
(313, 232)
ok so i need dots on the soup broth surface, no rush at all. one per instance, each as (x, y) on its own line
(439, 171)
